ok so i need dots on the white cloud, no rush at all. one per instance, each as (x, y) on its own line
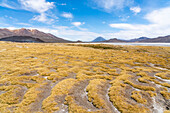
(67, 15)
(43, 18)
(110, 5)
(123, 26)
(77, 24)
(39, 6)
(8, 4)
(24, 24)
(159, 26)
(78, 35)
(124, 18)
(106, 4)
(69, 34)
(63, 4)
(136, 10)
(160, 16)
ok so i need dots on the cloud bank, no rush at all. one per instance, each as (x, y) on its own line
(159, 26)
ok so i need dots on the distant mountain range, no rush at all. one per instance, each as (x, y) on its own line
(101, 39)
(114, 40)
(138, 39)
(165, 39)
(33, 35)
(27, 35)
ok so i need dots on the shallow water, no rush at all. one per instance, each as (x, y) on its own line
(134, 44)
(143, 44)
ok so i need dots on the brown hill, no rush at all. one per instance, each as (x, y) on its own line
(6, 34)
(165, 39)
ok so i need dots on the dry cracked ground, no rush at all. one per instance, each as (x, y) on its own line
(69, 78)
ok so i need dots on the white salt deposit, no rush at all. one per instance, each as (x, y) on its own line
(153, 65)
(157, 107)
(165, 80)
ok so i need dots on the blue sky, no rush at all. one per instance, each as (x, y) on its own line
(88, 19)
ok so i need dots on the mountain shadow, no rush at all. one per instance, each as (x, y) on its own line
(22, 39)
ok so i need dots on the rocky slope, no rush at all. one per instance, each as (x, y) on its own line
(23, 34)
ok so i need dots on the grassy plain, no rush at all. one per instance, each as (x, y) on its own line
(41, 78)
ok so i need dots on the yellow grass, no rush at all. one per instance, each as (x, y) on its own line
(27, 71)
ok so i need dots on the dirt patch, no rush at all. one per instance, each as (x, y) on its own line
(32, 73)
(128, 93)
(63, 108)
(21, 93)
(45, 92)
(80, 95)
(118, 70)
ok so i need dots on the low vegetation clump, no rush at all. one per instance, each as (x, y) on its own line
(138, 97)
(94, 88)
(40, 78)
